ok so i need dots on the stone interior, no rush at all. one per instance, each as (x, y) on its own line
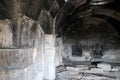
(59, 40)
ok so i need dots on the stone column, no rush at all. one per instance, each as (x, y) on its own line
(49, 56)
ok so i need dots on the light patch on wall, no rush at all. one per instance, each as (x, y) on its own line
(66, 0)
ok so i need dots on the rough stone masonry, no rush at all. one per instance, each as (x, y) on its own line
(59, 40)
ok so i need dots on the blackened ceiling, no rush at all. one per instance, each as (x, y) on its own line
(90, 23)
(72, 13)
(31, 8)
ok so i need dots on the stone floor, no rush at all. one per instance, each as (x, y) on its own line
(101, 71)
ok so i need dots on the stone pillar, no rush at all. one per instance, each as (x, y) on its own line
(21, 59)
(49, 53)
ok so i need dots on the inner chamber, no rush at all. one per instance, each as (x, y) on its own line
(90, 39)
(91, 36)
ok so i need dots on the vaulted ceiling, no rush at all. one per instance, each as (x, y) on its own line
(64, 12)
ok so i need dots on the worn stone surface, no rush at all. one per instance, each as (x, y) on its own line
(26, 65)
(93, 73)
(21, 53)
(58, 55)
(104, 66)
(78, 68)
(49, 53)
(6, 36)
(28, 32)
(27, 57)
(16, 58)
(21, 33)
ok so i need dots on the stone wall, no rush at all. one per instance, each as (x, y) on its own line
(21, 50)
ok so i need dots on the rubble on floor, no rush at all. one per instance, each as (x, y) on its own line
(101, 71)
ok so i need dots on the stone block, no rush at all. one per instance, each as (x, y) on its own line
(21, 64)
(96, 70)
(104, 66)
(69, 74)
(21, 74)
(78, 68)
(115, 69)
(16, 58)
(49, 40)
(95, 77)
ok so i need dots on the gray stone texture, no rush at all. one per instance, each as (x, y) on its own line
(21, 50)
